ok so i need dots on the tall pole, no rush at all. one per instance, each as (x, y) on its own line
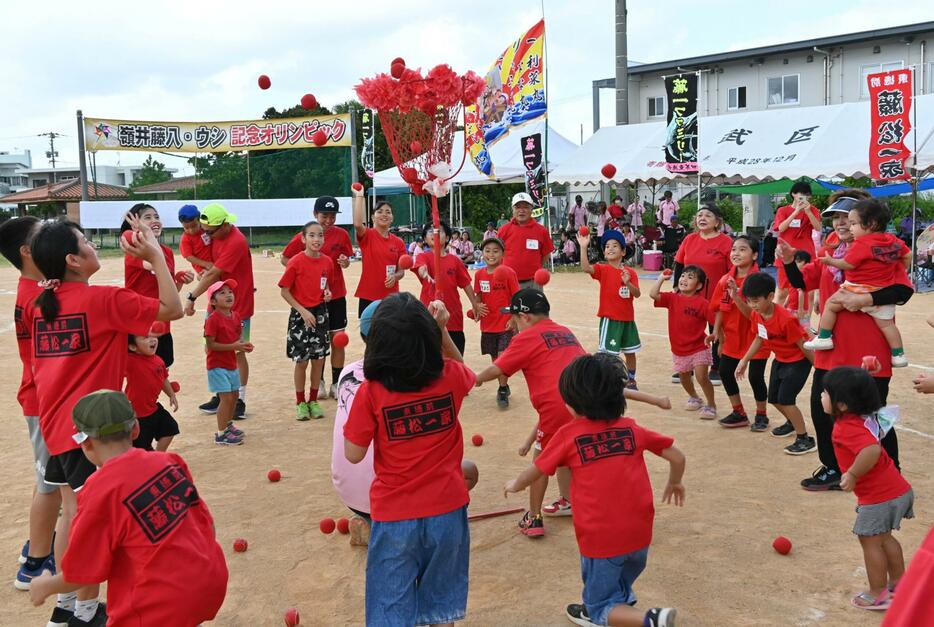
(82, 161)
(622, 65)
(354, 175)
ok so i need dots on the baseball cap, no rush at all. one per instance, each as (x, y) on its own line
(493, 240)
(100, 413)
(528, 301)
(215, 215)
(326, 204)
(366, 318)
(611, 234)
(232, 284)
(188, 213)
(842, 205)
(522, 197)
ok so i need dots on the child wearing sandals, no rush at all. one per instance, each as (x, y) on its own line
(882, 494)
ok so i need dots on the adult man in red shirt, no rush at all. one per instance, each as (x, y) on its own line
(232, 260)
(795, 224)
(528, 243)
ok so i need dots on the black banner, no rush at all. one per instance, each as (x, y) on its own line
(367, 157)
(534, 168)
(681, 136)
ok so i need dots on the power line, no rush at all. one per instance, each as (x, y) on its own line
(51, 153)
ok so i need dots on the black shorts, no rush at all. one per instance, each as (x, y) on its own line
(70, 468)
(493, 344)
(362, 303)
(304, 343)
(337, 314)
(166, 349)
(786, 381)
(897, 294)
(155, 426)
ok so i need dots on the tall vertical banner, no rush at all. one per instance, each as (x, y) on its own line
(514, 95)
(367, 154)
(534, 171)
(889, 103)
(681, 134)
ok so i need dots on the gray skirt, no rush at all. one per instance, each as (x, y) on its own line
(871, 520)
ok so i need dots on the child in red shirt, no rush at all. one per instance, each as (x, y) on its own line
(875, 260)
(146, 378)
(222, 331)
(619, 286)
(141, 527)
(799, 301)
(380, 250)
(604, 451)
(495, 284)
(194, 245)
(419, 546)
(687, 332)
(305, 286)
(541, 349)
(884, 497)
(779, 331)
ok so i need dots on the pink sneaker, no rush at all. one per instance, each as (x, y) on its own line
(561, 507)
(693, 404)
(708, 413)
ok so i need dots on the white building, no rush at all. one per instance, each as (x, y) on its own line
(121, 176)
(11, 177)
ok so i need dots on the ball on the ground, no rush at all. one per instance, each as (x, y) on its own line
(340, 339)
(782, 545)
(291, 617)
(176, 387)
(406, 262)
(343, 526)
(608, 171)
(542, 276)
(309, 101)
(477, 439)
(239, 545)
(263, 81)
(358, 187)
(318, 138)
(274, 475)
(583, 231)
(327, 525)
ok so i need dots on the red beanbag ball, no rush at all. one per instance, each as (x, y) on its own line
(608, 171)
(542, 276)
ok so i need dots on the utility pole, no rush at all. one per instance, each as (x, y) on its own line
(622, 65)
(51, 154)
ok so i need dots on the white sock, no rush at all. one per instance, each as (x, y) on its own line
(243, 393)
(85, 610)
(67, 601)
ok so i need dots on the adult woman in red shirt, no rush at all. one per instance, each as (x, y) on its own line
(380, 250)
(795, 224)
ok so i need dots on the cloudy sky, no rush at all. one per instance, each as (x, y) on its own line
(198, 60)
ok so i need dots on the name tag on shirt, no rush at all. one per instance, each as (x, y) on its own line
(531, 244)
(206, 239)
(796, 223)
(624, 292)
(761, 332)
(485, 287)
(324, 283)
(390, 270)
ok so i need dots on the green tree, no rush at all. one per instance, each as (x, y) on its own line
(152, 172)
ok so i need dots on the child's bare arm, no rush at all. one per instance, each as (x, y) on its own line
(47, 584)
(584, 242)
(353, 452)
(753, 349)
(491, 372)
(529, 441)
(656, 292)
(526, 478)
(906, 261)
(662, 402)
(676, 462)
(808, 354)
(633, 288)
(167, 389)
(474, 301)
(716, 334)
(232, 346)
(207, 265)
(864, 462)
(836, 263)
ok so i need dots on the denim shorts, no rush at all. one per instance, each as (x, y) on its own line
(608, 582)
(416, 570)
(223, 380)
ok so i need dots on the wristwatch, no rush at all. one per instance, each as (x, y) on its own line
(191, 297)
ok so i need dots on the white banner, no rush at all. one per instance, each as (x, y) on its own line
(265, 212)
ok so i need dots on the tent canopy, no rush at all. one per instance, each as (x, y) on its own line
(773, 188)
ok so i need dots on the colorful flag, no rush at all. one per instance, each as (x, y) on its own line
(681, 135)
(515, 94)
(534, 171)
(889, 104)
(367, 156)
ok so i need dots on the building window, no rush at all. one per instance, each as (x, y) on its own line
(737, 98)
(782, 90)
(656, 107)
(875, 68)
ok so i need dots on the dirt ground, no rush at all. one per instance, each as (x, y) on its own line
(712, 559)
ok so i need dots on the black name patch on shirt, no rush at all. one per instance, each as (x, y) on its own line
(425, 417)
(162, 502)
(890, 253)
(22, 332)
(559, 339)
(66, 335)
(593, 447)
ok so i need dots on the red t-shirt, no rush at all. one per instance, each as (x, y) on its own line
(336, 243)
(794, 300)
(495, 293)
(27, 291)
(712, 255)
(914, 603)
(542, 352)
(878, 260)
(455, 279)
(145, 375)
(232, 255)
(738, 332)
(198, 246)
(142, 527)
(616, 299)
(687, 322)
(307, 278)
(380, 259)
(224, 330)
(143, 281)
(83, 350)
(799, 232)
(780, 333)
(526, 245)
(418, 445)
(607, 471)
(883, 482)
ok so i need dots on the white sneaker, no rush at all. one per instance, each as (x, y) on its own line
(332, 391)
(819, 344)
(899, 361)
(322, 390)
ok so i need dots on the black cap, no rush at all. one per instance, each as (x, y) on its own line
(326, 204)
(528, 301)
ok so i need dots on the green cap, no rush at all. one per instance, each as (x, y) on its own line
(215, 215)
(100, 413)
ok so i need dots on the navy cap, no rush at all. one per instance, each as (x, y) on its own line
(611, 234)
(527, 301)
(326, 204)
(188, 213)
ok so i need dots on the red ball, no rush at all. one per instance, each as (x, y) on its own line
(608, 171)
(406, 262)
(357, 187)
(240, 545)
(263, 81)
(327, 525)
(583, 231)
(319, 138)
(309, 102)
(782, 545)
(128, 235)
(871, 363)
(500, 274)
(470, 314)
(396, 70)
(542, 276)
(416, 146)
(274, 475)
(667, 272)
(291, 617)
(176, 387)
(410, 175)
(477, 439)
(343, 526)
(157, 328)
(340, 339)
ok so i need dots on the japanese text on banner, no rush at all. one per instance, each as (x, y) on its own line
(890, 95)
(681, 134)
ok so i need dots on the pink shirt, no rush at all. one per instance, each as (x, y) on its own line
(351, 481)
(635, 211)
(579, 214)
(666, 209)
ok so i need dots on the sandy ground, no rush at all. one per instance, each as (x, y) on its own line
(712, 559)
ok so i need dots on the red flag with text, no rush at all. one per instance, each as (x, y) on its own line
(890, 104)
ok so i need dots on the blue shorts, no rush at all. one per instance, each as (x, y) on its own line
(221, 380)
(608, 582)
(416, 570)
